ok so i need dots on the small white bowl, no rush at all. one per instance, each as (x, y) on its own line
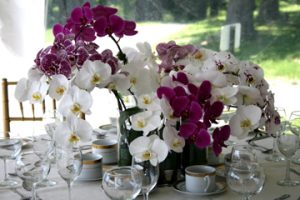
(107, 148)
(92, 167)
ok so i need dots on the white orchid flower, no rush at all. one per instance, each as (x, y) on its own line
(173, 140)
(92, 74)
(250, 73)
(146, 121)
(247, 95)
(75, 101)
(149, 102)
(225, 95)
(21, 91)
(216, 78)
(245, 120)
(119, 82)
(58, 86)
(147, 53)
(72, 131)
(145, 147)
(167, 111)
(140, 77)
(34, 74)
(38, 90)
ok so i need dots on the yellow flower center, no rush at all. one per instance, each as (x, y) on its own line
(73, 138)
(126, 99)
(96, 79)
(60, 90)
(221, 67)
(111, 86)
(176, 143)
(141, 123)
(75, 108)
(147, 100)
(199, 55)
(245, 123)
(36, 96)
(146, 155)
(133, 81)
(223, 98)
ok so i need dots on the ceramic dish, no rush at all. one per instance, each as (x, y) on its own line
(92, 167)
(180, 187)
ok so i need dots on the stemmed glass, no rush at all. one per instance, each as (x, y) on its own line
(243, 153)
(50, 119)
(288, 143)
(31, 169)
(43, 146)
(69, 164)
(294, 126)
(147, 165)
(9, 149)
(275, 156)
(122, 183)
(246, 178)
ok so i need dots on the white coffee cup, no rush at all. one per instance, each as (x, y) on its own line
(92, 167)
(200, 178)
(107, 148)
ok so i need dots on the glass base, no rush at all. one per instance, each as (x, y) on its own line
(47, 183)
(9, 183)
(288, 183)
(296, 161)
(275, 158)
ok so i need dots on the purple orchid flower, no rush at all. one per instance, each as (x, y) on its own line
(220, 135)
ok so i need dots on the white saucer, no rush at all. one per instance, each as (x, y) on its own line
(180, 187)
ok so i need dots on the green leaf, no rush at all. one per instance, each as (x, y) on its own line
(125, 115)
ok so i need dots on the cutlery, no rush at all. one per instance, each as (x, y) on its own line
(282, 197)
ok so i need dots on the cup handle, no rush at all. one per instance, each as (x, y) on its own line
(208, 182)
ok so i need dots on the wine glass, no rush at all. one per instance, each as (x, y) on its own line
(288, 143)
(294, 126)
(43, 146)
(147, 165)
(122, 183)
(31, 169)
(9, 149)
(50, 119)
(243, 153)
(69, 164)
(275, 156)
(246, 178)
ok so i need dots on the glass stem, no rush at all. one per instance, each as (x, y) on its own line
(146, 195)
(5, 174)
(69, 190)
(287, 174)
(246, 197)
(34, 191)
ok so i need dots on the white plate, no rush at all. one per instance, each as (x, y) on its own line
(220, 187)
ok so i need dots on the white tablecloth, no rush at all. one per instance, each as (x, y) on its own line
(92, 190)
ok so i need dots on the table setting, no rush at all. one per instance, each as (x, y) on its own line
(192, 123)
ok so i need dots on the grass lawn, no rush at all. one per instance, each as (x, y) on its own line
(276, 47)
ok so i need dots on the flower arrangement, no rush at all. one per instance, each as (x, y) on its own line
(181, 92)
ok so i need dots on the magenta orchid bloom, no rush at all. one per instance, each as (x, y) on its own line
(220, 135)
